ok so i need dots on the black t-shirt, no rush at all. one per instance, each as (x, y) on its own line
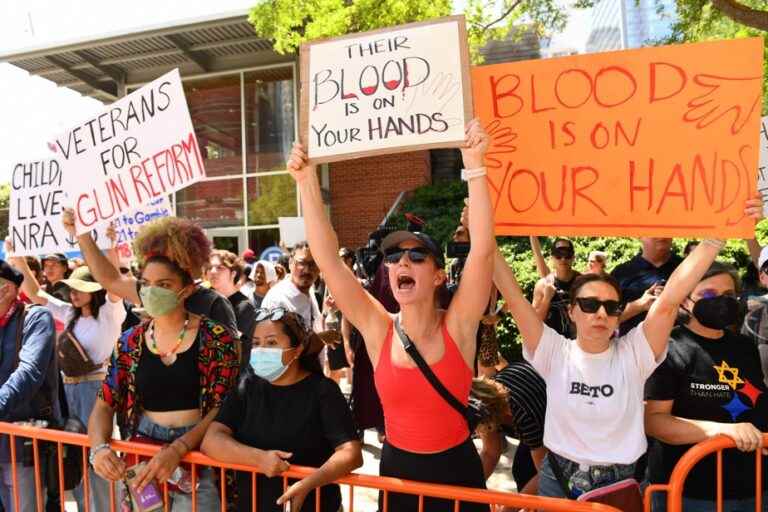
(209, 303)
(557, 316)
(309, 419)
(637, 275)
(715, 380)
(245, 314)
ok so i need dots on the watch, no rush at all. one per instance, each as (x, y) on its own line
(96, 449)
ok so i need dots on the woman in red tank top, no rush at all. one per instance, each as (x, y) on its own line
(427, 439)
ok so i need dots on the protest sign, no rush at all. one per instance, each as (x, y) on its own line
(651, 142)
(394, 89)
(138, 149)
(762, 170)
(127, 225)
(36, 203)
(292, 230)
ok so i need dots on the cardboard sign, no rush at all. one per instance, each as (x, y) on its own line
(128, 224)
(36, 202)
(140, 148)
(384, 91)
(762, 170)
(651, 142)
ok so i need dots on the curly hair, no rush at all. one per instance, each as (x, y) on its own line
(232, 262)
(179, 240)
(489, 404)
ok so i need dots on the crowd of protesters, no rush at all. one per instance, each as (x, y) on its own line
(624, 367)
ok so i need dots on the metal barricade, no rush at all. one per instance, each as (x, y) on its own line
(674, 488)
(196, 459)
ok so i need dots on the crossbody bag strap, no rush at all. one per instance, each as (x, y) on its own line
(412, 351)
(19, 333)
(558, 471)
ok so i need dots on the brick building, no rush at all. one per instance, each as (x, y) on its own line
(243, 99)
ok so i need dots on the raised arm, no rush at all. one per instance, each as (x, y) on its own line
(29, 286)
(663, 312)
(362, 310)
(754, 252)
(538, 257)
(123, 286)
(528, 322)
(468, 305)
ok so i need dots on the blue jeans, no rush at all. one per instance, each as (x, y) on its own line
(691, 505)
(80, 399)
(25, 479)
(207, 494)
(580, 479)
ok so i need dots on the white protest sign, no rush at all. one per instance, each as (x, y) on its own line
(395, 89)
(762, 170)
(138, 149)
(292, 230)
(127, 225)
(36, 203)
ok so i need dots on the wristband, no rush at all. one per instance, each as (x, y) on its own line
(469, 174)
(186, 446)
(96, 449)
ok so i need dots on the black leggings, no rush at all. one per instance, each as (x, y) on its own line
(459, 466)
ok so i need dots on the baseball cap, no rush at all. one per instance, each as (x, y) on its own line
(398, 237)
(9, 273)
(60, 257)
(82, 280)
(763, 258)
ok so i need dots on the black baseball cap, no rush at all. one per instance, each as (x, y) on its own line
(58, 256)
(9, 273)
(398, 237)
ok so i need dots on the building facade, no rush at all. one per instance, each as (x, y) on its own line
(624, 24)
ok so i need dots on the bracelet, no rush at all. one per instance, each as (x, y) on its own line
(469, 174)
(96, 449)
(713, 242)
(186, 446)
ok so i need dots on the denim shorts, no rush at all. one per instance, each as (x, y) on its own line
(580, 478)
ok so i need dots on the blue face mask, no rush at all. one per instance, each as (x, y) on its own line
(267, 362)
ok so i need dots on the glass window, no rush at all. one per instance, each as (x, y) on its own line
(260, 239)
(216, 203)
(269, 111)
(270, 197)
(214, 105)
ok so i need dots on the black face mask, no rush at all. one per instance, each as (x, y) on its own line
(716, 312)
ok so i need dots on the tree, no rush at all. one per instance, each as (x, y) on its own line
(288, 23)
(5, 201)
(705, 20)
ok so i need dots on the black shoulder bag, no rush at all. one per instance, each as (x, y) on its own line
(412, 351)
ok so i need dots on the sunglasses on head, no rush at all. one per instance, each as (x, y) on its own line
(415, 254)
(269, 314)
(562, 253)
(592, 305)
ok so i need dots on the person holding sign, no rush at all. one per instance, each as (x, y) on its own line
(594, 418)
(92, 326)
(428, 438)
(168, 375)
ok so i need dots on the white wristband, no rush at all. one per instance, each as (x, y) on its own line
(469, 174)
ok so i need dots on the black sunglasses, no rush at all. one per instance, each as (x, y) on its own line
(562, 253)
(592, 305)
(269, 314)
(415, 254)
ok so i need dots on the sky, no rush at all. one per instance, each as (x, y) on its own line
(33, 109)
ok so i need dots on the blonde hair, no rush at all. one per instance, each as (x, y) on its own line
(494, 401)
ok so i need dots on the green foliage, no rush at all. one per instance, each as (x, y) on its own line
(289, 23)
(5, 199)
(439, 205)
(276, 198)
(698, 21)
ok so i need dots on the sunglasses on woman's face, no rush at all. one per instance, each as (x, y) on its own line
(592, 305)
(562, 253)
(415, 254)
(269, 314)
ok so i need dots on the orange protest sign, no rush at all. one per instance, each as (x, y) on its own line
(659, 141)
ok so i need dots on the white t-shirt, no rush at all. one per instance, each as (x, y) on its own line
(285, 294)
(595, 401)
(97, 336)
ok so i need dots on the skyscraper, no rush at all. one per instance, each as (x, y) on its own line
(622, 24)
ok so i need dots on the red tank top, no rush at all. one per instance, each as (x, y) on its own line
(416, 417)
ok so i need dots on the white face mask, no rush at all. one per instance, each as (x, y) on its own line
(267, 362)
